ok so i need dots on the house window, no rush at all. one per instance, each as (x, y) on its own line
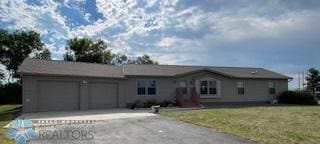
(151, 87)
(272, 88)
(240, 87)
(183, 87)
(208, 87)
(212, 87)
(203, 87)
(141, 84)
(146, 87)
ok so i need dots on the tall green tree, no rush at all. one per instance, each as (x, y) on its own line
(86, 50)
(313, 79)
(119, 59)
(145, 59)
(15, 46)
(45, 54)
(1, 76)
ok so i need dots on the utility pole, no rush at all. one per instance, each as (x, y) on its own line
(299, 81)
(302, 80)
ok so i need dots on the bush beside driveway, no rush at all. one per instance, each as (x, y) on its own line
(262, 124)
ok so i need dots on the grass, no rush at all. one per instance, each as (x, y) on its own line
(261, 124)
(7, 113)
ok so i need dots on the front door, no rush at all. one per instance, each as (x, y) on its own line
(184, 88)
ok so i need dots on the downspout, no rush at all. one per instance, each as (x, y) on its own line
(122, 69)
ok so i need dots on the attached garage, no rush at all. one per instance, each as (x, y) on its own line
(50, 85)
(58, 96)
(103, 95)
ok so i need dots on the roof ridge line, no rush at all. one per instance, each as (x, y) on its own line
(72, 62)
(208, 66)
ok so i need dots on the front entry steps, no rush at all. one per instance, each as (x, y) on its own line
(187, 103)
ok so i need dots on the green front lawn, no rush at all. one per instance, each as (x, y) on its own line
(262, 124)
(7, 113)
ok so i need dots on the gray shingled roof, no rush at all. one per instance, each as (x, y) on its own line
(174, 70)
(50, 67)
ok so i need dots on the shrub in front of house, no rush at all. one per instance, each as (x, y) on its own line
(148, 103)
(130, 105)
(167, 103)
(298, 97)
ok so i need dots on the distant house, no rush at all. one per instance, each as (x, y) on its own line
(61, 86)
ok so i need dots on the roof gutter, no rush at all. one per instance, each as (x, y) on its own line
(61, 75)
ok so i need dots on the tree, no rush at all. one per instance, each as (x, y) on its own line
(16, 46)
(45, 54)
(86, 50)
(119, 59)
(145, 59)
(313, 79)
(68, 56)
(1, 76)
(107, 57)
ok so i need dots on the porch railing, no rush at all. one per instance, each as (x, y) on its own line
(195, 97)
(194, 101)
(179, 97)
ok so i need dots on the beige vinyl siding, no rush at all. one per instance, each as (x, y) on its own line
(165, 89)
(256, 90)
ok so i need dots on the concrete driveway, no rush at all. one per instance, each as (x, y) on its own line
(88, 115)
(138, 128)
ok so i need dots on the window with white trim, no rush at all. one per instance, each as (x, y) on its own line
(212, 87)
(240, 87)
(183, 86)
(208, 87)
(272, 88)
(146, 87)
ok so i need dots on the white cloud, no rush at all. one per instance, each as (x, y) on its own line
(192, 17)
(87, 17)
(175, 44)
(150, 3)
(132, 21)
(174, 50)
(167, 42)
(44, 19)
(170, 32)
(40, 18)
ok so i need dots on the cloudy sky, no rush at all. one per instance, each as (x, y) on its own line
(281, 35)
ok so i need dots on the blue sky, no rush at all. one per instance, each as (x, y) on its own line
(281, 35)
